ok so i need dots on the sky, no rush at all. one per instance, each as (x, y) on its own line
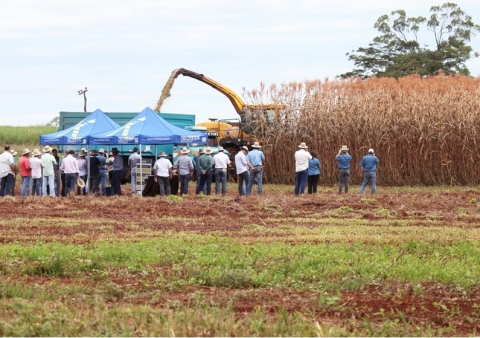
(124, 51)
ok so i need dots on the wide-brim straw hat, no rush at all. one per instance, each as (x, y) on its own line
(256, 145)
(26, 151)
(36, 152)
(303, 145)
(370, 151)
(185, 151)
(80, 182)
(13, 152)
(245, 148)
(220, 149)
(47, 149)
(201, 151)
(82, 153)
(163, 154)
(208, 150)
(344, 148)
(101, 151)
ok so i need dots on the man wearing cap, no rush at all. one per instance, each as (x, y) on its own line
(162, 173)
(221, 163)
(343, 159)
(255, 160)
(302, 158)
(132, 164)
(117, 171)
(184, 165)
(48, 171)
(94, 180)
(37, 166)
(25, 172)
(368, 165)
(102, 170)
(241, 166)
(205, 163)
(198, 171)
(7, 172)
(70, 167)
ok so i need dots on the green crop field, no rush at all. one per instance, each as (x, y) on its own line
(404, 262)
(20, 138)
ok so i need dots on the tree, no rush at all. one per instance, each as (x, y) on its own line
(53, 122)
(397, 51)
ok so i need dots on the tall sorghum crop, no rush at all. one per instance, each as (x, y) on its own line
(424, 130)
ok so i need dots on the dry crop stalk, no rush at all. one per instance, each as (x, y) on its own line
(424, 130)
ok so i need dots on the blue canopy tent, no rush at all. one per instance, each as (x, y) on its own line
(148, 128)
(96, 122)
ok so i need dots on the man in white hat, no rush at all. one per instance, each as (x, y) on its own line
(25, 172)
(162, 173)
(368, 166)
(103, 170)
(198, 172)
(37, 166)
(7, 172)
(48, 171)
(241, 166)
(185, 167)
(70, 167)
(255, 159)
(132, 164)
(205, 163)
(343, 159)
(221, 163)
(302, 157)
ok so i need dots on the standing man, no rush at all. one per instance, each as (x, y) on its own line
(241, 165)
(184, 165)
(162, 173)
(70, 167)
(37, 166)
(56, 171)
(221, 162)
(48, 171)
(313, 173)
(102, 170)
(117, 171)
(255, 159)
(198, 171)
(94, 181)
(343, 159)
(132, 164)
(369, 168)
(302, 157)
(7, 172)
(25, 172)
(205, 163)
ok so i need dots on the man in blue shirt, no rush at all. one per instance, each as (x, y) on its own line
(343, 159)
(369, 168)
(255, 159)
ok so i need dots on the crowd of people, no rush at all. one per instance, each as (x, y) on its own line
(41, 174)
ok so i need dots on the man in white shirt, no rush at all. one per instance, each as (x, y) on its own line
(37, 167)
(162, 173)
(221, 162)
(241, 166)
(302, 156)
(70, 167)
(48, 171)
(7, 172)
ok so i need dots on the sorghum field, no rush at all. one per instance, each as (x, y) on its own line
(403, 262)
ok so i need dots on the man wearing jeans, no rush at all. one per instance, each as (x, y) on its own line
(102, 170)
(241, 166)
(184, 165)
(221, 162)
(255, 158)
(132, 164)
(343, 159)
(302, 156)
(369, 168)
(48, 171)
(25, 172)
(205, 163)
(7, 172)
(70, 167)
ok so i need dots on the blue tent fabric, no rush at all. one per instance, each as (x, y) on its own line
(148, 128)
(96, 122)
